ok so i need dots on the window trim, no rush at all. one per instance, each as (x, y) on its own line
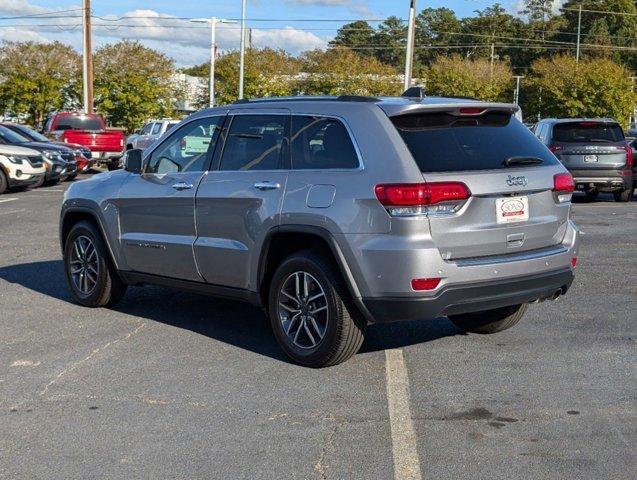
(361, 165)
(148, 153)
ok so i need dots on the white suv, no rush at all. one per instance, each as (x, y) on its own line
(19, 167)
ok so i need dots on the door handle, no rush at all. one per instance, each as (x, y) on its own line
(183, 186)
(266, 186)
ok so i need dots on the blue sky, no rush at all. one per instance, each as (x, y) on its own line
(187, 43)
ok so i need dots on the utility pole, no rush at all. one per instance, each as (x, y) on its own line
(87, 58)
(516, 95)
(213, 51)
(243, 48)
(492, 57)
(579, 30)
(409, 55)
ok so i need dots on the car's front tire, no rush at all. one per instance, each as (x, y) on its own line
(311, 314)
(4, 184)
(89, 272)
(489, 321)
(623, 195)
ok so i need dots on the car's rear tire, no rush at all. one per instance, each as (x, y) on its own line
(623, 195)
(4, 184)
(315, 325)
(89, 272)
(489, 321)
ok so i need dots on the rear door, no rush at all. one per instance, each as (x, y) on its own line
(508, 171)
(157, 208)
(240, 199)
(589, 145)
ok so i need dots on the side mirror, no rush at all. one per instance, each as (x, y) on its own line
(133, 161)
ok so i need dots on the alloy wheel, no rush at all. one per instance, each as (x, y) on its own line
(84, 265)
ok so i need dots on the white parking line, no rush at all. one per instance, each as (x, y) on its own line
(403, 435)
(5, 200)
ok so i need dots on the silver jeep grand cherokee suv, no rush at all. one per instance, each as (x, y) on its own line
(332, 213)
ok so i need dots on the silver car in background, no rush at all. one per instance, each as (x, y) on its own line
(332, 213)
(149, 133)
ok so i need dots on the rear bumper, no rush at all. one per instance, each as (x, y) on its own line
(456, 299)
(603, 179)
(106, 157)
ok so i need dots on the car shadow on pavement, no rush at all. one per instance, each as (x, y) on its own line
(236, 323)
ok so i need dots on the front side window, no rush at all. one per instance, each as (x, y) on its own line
(187, 149)
(254, 142)
(321, 143)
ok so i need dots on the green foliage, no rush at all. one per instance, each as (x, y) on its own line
(37, 78)
(340, 71)
(132, 83)
(560, 87)
(476, 78)
(435, 27)
(357, 35)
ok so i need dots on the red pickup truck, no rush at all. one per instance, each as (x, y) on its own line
(107, 145)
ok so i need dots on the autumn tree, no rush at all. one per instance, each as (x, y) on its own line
(341, 71)
(36, 78)
(133, 83)
(561, 87)
(463, 77)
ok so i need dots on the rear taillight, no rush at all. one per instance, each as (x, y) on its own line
(574, 262)
(555, 149)
(409, 199)
(629, 155)
(563, 186)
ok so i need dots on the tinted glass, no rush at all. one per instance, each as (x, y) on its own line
(321, 143)
(156, 129)
(254, 143)
(29, 133)
(441, 142)
(187, 149)
(147, 128)
(9, 136)
(78, 123)
(576, 132)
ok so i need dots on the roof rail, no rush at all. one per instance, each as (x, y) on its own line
(341, 98)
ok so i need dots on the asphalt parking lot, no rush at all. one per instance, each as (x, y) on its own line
(175, 385)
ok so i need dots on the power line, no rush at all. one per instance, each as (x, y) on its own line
(51, 14)
(607, 12)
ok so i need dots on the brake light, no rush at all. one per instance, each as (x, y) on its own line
(555, 148)
(629, 155)
(471, 110)
(574, 262)
(589, 124)
(563, 186)
(420, 284)
(408, 199)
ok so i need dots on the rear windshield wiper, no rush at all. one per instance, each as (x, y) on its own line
(515, 161)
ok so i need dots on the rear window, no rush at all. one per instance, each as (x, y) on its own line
(78, 123)
(581, 132)
(442, 142)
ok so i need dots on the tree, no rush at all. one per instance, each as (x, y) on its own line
(133, 83)
(561, 87)
(458, 76)
(538, 10)
(391, 39)
(340, 71)
(37, 78)
(359, 36)
(435, 27)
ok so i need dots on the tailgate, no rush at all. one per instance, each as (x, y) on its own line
(508, 171)
(104, 141)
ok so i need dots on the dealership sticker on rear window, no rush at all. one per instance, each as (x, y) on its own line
(512, 209)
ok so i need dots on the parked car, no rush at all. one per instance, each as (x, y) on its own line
(332, 213)
(82, 154)
(595, 151)
(106, 145)
(59, 161)
(20, 167)
(633, 144)
(150, 132)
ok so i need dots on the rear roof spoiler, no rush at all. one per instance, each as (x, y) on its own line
(393, 109)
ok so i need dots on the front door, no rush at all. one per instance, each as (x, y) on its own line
(157, 208)
(240, 200)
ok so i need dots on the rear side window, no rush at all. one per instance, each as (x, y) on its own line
(578, 132)
(321, 143)
(442, 142)
(254, 142)
(156, 129)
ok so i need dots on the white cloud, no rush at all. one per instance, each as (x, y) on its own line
(184, 41)
(358, 7)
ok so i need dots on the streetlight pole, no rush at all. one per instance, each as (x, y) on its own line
(243, 48)
(213, 51)
(87, 58)
(516, 96)
(579, 29)
(409, 55)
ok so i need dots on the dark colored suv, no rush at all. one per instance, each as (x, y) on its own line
(595, 151)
